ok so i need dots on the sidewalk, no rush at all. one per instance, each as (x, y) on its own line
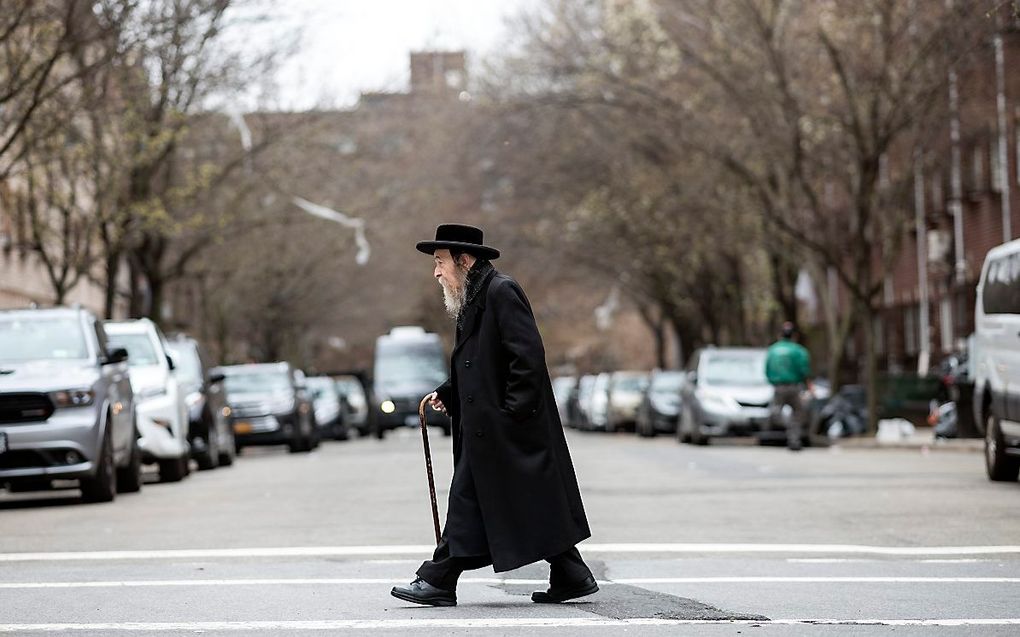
(922, 439)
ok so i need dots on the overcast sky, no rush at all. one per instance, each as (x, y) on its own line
(349, 46)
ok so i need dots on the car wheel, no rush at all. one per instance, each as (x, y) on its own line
(210, 457)
(103, 486)
(696, 436)
(342, 433)
(173, 469)
(683, 427)
(1000, 467)
(228, 454)
(129, 478)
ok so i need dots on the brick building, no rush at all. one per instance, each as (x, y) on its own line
(958, 222)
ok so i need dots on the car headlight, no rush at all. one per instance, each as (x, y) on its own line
(72, 397)
(151, 392)
(715, 402)
(387, 407)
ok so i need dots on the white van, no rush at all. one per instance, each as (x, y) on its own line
(997, 357)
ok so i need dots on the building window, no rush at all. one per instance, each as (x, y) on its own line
(936, 191)
(977, 174)
(878, 332)
(946, 323)
(994, 167)
(910, 330)
(1016, 133)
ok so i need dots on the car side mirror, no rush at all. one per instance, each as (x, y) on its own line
(116, 355)
(217, 378)
(170, 362)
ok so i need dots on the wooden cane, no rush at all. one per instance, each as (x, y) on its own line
(428, 465)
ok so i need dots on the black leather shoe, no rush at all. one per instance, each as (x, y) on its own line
(421, 592)
(555, 595)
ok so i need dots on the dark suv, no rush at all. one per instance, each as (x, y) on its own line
(270, 405)
(209, 432)
(66, 405)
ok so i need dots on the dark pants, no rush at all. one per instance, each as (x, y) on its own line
(443, 570)
(791, 395)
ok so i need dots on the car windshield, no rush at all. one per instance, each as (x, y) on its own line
(667, 383)
(256, 382)
(139, 347)
(735, 369)
(630, 383)
(321, 388)
(188, 365)
(404, 362)
(36, 338)
(348, 386)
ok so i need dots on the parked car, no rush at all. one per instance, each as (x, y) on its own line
(996, 352)
(409, 364)
(209, 432)
(598, 403)
(269, 405)
(626, 390)
(660, 404)
(353, 402)
(563, 387)
(159, 400)
(582, 402)
(326, 402)
(726, 394)
(66, 405)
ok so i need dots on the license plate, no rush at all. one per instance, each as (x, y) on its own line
(3, 441)
(242, 427)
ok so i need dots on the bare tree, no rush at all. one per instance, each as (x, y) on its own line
(806, 106)
(38, 43)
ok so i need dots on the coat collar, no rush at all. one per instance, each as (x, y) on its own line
(473, 310)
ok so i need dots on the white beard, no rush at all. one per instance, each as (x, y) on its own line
(454, 299)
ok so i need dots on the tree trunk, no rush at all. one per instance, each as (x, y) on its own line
(156, 288)
(110, 293)
(783, 291)
(657, 326)
(867, 315)
(686, 339)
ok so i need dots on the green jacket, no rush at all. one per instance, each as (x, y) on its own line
(787, 363)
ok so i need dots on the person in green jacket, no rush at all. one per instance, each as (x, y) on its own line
(788, 368)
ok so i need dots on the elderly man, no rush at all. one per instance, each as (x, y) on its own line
(514, 498)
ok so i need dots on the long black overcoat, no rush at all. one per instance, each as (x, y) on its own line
(505, 421)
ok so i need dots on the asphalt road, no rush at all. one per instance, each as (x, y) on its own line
(725, 540)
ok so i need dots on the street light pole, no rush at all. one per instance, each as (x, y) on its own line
(920, 228)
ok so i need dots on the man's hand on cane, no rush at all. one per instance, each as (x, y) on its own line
(436, 403)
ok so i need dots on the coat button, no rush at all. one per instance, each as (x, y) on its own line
(479, 434)
(467, 363)
(471, 399)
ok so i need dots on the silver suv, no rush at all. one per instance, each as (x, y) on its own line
(66, 405)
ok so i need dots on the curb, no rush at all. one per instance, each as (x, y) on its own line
(967, 445)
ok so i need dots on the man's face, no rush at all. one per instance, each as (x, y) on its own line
(449, 273)
(452, 276)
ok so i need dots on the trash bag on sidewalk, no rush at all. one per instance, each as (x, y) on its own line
(945, 419)
(845, 414)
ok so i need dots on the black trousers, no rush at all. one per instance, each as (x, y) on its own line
(443, 570)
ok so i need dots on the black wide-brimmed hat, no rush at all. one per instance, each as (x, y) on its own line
(461, 238)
